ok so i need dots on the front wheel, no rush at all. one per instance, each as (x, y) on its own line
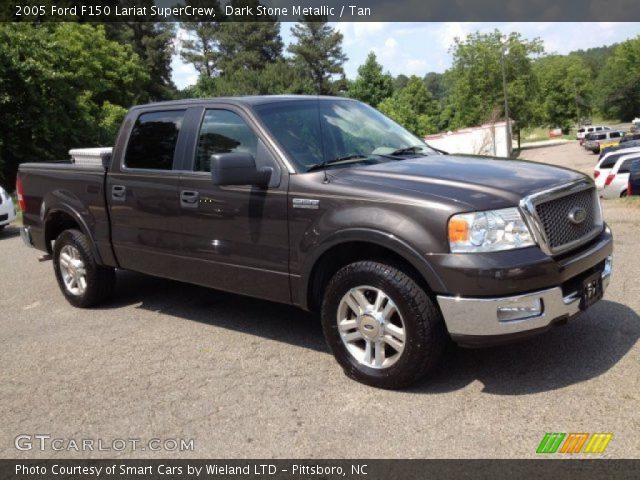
(83, 282)
(381, 326)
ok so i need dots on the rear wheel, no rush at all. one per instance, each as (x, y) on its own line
(83, 282)
(623, 194)
(381, 326)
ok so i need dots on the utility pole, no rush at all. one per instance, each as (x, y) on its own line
(575, 93)
(506, 100)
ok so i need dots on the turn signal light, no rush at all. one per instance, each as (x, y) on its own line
(458, 230)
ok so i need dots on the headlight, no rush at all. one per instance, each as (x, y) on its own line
(489, 231)
(4, 194)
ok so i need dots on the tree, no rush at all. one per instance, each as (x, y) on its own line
(371, 86)
(201, 48)
(413, 107)
(248, 44)
(153, 42)
(619, 82)
(62, 85)
(565, 89)
(318, 52)
(400, 82)
(475, 78)
(435, 83)
(280, 77)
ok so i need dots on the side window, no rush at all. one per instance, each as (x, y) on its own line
(153, 140)
(615, 134)
(598, 129)
(610, 161)
(626, 166)
(223, 131)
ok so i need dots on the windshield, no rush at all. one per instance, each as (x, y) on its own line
(317, 131)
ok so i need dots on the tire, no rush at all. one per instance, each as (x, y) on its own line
(409, 310)
(623, 194)
(72, 248)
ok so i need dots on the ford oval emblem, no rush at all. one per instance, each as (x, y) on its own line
(577, 215)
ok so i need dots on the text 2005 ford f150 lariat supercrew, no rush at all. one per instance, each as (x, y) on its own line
(326, 204)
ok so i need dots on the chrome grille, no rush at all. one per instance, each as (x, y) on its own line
(559, 231)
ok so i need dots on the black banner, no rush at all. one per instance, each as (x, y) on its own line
(333, 10)
(320, 469)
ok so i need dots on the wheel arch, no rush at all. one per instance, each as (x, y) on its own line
(356, 245)
(63, 217)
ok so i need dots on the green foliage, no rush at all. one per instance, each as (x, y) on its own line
(275, 78)
(371, 86)
(595, 58)
(248, 45)
(565, 90)
(413, 107)
(318, 53)
(153, 42)
(476, 78)
(619, 82)
(59, 86)
(201, 48)
(435, 83)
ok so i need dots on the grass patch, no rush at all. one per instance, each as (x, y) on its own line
(633, 201)
(538, 134)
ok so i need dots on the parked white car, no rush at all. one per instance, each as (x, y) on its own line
(586, 129)
(7, 209)
(617, 181)
(607, 162)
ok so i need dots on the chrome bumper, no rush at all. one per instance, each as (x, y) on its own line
(480, 317)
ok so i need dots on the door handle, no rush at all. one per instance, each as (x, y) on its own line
(118, 192)
(189, 199)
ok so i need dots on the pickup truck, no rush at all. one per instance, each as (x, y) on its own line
(326, 204)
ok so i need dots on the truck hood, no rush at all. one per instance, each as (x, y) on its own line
(475, 181)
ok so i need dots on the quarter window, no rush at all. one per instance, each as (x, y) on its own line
(223, 131)
(153, 139)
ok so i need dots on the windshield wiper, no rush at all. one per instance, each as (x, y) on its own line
(412, 149)
(353, 156)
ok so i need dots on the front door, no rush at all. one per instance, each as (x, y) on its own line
(235, 238)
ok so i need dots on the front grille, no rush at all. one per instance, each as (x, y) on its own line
(4, 217)
(559, 230)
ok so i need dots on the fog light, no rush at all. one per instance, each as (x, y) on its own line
(608, 267)
(520, 309)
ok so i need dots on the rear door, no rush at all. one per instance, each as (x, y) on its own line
(142, 193)
(235, 238)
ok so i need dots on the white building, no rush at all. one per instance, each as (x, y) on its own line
(487, 139)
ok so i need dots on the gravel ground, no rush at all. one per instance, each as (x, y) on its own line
(248, 378)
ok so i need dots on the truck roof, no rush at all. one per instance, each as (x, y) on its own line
(241, 100)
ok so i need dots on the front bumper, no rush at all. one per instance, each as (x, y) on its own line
(476, 321)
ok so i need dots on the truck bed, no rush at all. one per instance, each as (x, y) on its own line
(65, 187)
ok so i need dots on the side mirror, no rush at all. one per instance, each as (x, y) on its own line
(238, 169)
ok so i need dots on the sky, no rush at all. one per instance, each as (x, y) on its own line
(418, 48)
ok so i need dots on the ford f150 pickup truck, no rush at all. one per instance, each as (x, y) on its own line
(327, 204)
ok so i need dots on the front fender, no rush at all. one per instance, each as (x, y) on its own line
(366, 235)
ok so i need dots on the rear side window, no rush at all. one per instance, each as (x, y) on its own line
(581, 130)
(153, 139)
(610, 161)
(223, 131)
(598, 129)
(601, 136)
